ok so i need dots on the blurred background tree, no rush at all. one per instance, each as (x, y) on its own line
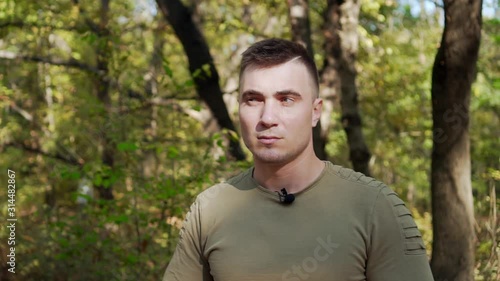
(103, 95)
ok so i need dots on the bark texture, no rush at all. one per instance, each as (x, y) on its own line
(452, 203)
(150, 161)
(339, 74)
(102, 87)
(298, 11)
(201, 66)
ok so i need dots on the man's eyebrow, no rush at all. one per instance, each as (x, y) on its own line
(276, 94)
(251, 93)
(288, 93)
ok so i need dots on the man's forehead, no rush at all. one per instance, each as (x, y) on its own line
(254, 66)
(276, 74)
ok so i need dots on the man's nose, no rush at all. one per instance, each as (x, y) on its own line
(268, 117)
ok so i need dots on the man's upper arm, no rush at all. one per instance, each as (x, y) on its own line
(188, 262)
(396, 251)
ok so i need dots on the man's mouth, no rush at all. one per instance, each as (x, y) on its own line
(267, 140)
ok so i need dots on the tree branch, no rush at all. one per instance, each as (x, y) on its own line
(92, 25)
(199, 58)
(67, 155)
(21, 112)
(16, 23)
(435, 2)
(72, 63)
(21, 24)
(58, 156)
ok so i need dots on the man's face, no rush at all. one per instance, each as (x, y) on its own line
(278, 108)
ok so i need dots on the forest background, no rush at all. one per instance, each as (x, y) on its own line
(110, 139)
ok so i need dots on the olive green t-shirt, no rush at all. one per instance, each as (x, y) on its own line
(344, 226)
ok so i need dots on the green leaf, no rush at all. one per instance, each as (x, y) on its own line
(196, 73)
(62, 256)
(97, 180)
(172, 152)
(168, 70)
(118, 219)
(89, 37)
(63, 242)
(133, 259)
(70, 175)
(127, 146)
(206, 69)
(232, 135)
(197, 107)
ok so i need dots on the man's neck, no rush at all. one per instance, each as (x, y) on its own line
(294, 176)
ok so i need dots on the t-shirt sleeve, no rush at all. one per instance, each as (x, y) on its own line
(188, 262)
(396, 251)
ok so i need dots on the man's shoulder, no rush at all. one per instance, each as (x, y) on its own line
(220, 191)
(236, 180)
(365, 188)
(356, 180)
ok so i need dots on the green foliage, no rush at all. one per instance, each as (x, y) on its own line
(165, 151)
(485, 105)
(394, 79)
(157, 170)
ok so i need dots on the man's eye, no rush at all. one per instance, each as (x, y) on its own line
(287, 100)
(252, 100)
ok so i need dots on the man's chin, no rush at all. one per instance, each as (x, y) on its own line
(271, 157)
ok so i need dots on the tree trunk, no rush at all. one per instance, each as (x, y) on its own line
(201, 66)
(452, 203)
(298, 11)
(44, 76)
(339, 73)
(150, 161)
(102, 86)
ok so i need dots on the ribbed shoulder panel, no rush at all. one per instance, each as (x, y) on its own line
(413, 243)
(356, 177)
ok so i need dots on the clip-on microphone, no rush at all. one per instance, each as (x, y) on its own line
(285, 198)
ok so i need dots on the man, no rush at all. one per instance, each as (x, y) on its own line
(292, 216)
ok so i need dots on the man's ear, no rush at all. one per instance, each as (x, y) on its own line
(316, 112)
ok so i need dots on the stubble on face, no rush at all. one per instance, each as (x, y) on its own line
(273, 156)
(292, 124)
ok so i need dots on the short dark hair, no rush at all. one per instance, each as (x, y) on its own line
(272, 52)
